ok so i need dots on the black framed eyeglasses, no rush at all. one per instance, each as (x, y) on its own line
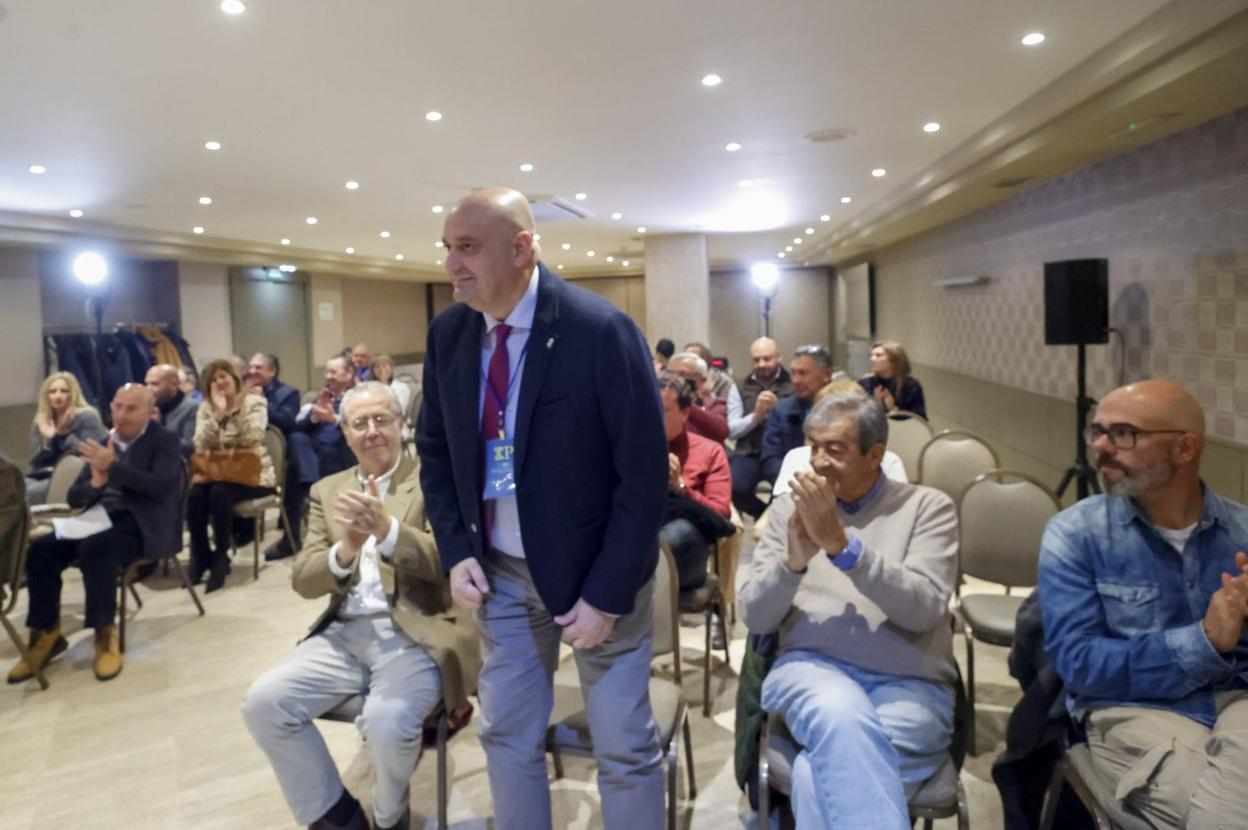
(1122, 436)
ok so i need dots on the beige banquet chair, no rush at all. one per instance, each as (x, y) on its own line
(952, 460)
(907, 435)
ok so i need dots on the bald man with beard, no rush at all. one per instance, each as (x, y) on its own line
(1144, 593)
(544, 469)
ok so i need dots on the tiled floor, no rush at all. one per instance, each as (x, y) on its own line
(163, 745)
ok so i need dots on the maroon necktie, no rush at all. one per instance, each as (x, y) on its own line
(493, 413)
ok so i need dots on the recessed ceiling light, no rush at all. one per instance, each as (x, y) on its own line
(846, 200)
(797, 240)
(641, 229)
(437, 262)
(437, 208)
(560, 267)
(37, 169)
(384, 234)
(711, 80)
(212, 145)
(781, 254)
(285, 241)
(617, 215)
(197, 229)
(624, 264)
(931, 127)
(233, 6)
(399, 257)
(879, 172)
(810, 231)
(76, 213)
(433, 115)
(205, 200)
(353, 185)
(287, 268)
(1033, 39)
(526, 168)
(580, 197)
(825, 218)
(311, 220)
(439, 244)
(537, 237)
(732, 146)
(745, 183)
(566, 246)
(788, 247)
(350, 250)
(589, 253)
(610, 259)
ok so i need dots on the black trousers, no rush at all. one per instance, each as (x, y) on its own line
(100, 557)
(747, 471)
(213, 502)
(690, 550)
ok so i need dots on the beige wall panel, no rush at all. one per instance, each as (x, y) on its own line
(204, 295)
(21, 326)
(389, 316)
(800, 314)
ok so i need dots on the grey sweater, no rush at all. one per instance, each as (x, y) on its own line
(889, 613)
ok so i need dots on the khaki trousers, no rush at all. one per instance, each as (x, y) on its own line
(1172, 770)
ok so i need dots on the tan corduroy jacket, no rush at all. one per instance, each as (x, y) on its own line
(420, 596)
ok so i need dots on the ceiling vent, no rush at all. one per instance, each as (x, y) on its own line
(555, 209)
(1014, 182)
(831, 135)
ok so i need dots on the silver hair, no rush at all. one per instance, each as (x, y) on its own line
(690, 357)
(364, 388)
(868, 415)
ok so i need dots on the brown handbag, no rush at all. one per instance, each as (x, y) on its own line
(240, 465)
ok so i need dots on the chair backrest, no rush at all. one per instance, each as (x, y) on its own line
(309, 397)
(1002, 516)
(14, 527)
(952, 460)
(275, 445)
(907, 435)
(64, 474)
(413, 404)
(667, 607)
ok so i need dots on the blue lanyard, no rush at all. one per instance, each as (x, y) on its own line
(511, 386)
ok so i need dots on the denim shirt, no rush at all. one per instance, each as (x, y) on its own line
(1123, 610)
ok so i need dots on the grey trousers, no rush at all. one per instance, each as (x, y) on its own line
(1174, 771)
(352, 656)
(520, 645)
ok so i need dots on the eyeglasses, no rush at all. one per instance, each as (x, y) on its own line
(1122, 436)
(380, 421)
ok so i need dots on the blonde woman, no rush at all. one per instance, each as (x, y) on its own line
(890, 381)
(63, 420)
(229, 418)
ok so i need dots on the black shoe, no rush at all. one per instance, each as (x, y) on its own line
(346, 814)
(217, 574)
(278, 550)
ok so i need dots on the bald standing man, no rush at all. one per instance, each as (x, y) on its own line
(174, 408)
(768, 383)
(136, 477)
(544, 470)
(1144, 592)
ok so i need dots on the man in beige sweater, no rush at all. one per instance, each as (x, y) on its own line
(855, 572)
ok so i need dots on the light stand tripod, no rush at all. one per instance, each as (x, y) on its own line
(1080, 472)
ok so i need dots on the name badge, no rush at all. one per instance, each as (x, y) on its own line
(500, 470)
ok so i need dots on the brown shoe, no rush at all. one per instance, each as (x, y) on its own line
(44, 645)
(108, 662)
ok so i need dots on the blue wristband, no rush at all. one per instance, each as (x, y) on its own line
(849, 555)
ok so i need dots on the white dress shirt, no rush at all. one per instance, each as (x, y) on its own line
(367, 597)
(505, 529)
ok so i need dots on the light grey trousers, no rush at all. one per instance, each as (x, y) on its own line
(520, 645)
(365, 654)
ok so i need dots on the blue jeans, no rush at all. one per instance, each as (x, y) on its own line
(869, 740)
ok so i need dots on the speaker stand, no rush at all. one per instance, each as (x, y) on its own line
(1080, 472)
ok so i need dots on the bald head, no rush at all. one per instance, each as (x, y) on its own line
(1148, 439)
(132, 409)
(162, 380)
(1157, 404)
(491, 251)
(765, 358)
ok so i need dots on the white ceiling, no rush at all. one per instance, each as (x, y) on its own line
(117, 98)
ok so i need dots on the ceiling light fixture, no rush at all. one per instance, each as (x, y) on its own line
(537, 237)
(580, 197)
(788, 248)
(641, 229)
(37, 169)
(197, 229)
(233, 6)
(617, 215)
(438, 208)
(285, 241)
(566, 246)
(931, 127)
(1033, 39)
(399, 257)
(879, 172)
(352, 185)
(589, 253)
(433, 115)
(439, 244)
(624, 264)
(781, 254)
(526, 168)
(560, 267)
(205, 200)
(287, 268)
(711, 80)
(797, 240)
(76, 213)
(825, 218)
(384, 234)
(846, 200)
(212, 145)
(610, 259)
(437, 262)
(810, 231)
(311, 220)
(350, 250)
(732, 146)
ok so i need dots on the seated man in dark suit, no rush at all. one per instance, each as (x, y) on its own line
(175, 410)
(810, 370)
(389, 630)
(137, 477)
(317, 448)
(262, 373)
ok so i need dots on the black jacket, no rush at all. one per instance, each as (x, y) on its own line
(283, 405)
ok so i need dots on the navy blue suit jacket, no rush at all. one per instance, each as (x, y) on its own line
(782, 431)
(591, 450)
(283, 402)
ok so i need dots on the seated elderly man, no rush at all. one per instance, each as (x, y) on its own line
(317, 448)
(855, 572)
(175, 409)
(283, 399)
(1144, 593)
(389, 631)
(136, 476)
(708, 416)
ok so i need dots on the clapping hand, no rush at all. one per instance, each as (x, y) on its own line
(361, 515)
(815, 498)
(1228, 608)
(885, 398)
(323, 409)
(99, 456)
(762, 406)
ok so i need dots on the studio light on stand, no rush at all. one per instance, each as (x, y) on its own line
(91, 270)
(766, 278)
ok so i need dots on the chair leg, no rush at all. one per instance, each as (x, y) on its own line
(693, 784)
(970, 688)
(138, 601)
(256, 533)
(21, 650)
(1057, 783)
(764, 778)
(964, 809)
(443, 729)
(285, 520)
(121, 607)
(723, 629)
(558, 760)
(186, 583)
(706, 668)
(673, 761)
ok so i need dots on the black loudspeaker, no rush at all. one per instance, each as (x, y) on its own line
(1076, 302)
